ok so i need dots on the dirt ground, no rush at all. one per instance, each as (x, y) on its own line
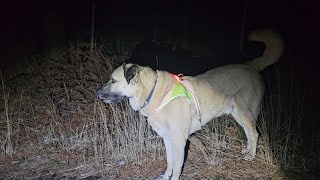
(57, 166)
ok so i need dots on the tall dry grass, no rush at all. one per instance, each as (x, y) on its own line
(54, 106)
(6, 144)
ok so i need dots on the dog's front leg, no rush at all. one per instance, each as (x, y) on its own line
(178, 149)
(175, 156)
(169, 151)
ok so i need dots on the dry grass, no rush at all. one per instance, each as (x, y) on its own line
(53, 126)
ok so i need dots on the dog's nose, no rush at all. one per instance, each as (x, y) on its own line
(99, 91)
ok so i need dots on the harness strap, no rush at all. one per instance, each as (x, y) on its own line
(179, 88)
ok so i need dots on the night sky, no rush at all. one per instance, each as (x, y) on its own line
(214, 27)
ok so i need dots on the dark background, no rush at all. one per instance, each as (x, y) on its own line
(212, 30)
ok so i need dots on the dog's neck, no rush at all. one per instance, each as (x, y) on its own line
(146, 90)
(164, 84)
(146, 102)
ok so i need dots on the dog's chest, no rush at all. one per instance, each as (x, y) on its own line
(158, 126)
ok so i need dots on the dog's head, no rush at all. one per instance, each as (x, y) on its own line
(123, 84)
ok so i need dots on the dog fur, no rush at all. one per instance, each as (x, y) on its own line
(233, 89)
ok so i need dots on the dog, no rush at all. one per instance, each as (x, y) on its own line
(235, 89)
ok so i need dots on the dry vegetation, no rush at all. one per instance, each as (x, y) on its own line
(52, 126)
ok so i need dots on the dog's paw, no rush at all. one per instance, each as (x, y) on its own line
(162, 177)
(245, 151)
(248, 155)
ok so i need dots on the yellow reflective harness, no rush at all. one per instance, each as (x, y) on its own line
(178, 89)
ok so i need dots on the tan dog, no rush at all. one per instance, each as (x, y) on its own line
(231, 89)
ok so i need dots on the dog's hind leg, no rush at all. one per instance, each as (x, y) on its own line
(245, 116)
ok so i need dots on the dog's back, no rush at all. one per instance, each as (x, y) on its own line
(230, 79)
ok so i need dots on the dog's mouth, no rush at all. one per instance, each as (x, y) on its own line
(108, 97)
(111, 98)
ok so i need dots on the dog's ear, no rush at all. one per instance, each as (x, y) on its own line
(130, 72)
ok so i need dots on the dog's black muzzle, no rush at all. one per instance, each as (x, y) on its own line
(104, 94)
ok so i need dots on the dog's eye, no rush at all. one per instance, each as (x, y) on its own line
(113, 80)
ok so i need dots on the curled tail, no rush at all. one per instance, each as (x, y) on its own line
(274, 48)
